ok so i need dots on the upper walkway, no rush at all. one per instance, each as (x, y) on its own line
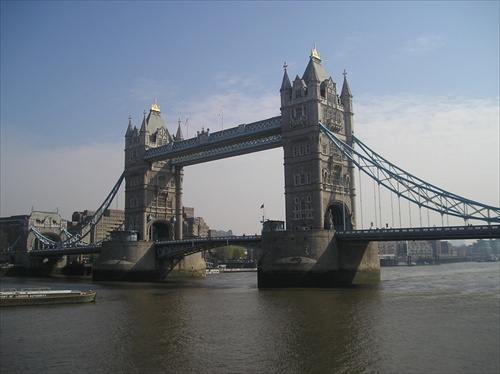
(210, 146)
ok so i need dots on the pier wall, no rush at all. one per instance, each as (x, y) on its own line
(137, 261)
(314, 258)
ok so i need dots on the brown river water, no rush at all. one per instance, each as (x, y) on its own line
(420, 319)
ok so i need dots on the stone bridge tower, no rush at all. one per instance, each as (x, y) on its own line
(319, 182)
(153, 190)
(153, 209)
(319, 191)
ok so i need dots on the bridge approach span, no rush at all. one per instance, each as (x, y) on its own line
(178, 248)
(422, 233)
(64, 251)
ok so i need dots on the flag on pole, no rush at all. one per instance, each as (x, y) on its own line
(262, 206)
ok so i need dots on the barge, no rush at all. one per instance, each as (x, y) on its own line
(42, 296)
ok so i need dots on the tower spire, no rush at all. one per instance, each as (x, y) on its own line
(179, 136)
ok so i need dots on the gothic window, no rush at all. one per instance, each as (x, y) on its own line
(298, 93)
(295, 151)
(301, 150)
(308, 149)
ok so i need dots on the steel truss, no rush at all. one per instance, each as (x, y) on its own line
(209, 146)
(412, 188)
(87, 229)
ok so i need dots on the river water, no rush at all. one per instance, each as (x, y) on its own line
(421, 319)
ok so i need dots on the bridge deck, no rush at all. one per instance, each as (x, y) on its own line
(422, 233)
(179, 248)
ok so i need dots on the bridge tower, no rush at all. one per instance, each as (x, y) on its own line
(319, 183)
(153, 190)
(319, 191)
(153, 209)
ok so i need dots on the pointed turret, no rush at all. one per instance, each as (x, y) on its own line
(286, 87)
(346, 91)
(179, 136)
(129, 128)
(285, 84)
(144, 125)
(346, 99)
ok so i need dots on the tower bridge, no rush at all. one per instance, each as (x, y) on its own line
(318, 244)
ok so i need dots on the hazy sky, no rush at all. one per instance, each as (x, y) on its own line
(424, 75)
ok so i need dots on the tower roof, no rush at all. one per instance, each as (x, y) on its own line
(154, 120)
(314, 70)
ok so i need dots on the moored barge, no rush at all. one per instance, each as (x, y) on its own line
(41, 296)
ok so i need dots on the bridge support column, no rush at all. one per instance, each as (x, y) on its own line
(314, 258)
(179, 173)
(127, 261)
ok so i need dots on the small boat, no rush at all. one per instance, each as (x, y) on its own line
(44, 296)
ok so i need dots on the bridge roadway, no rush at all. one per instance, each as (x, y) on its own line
(177, 248)
(422, 233)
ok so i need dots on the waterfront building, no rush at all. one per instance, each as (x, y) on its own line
(17, 234)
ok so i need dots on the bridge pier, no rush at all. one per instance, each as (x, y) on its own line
(314, 258)
(137, 261)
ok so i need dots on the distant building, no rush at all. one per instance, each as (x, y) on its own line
(18, 234)
(111, 220)
(194, 227)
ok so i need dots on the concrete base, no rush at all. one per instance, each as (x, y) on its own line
(313, 258)
(137, 261)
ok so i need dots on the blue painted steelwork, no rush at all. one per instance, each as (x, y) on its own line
(75, 239)
(207, 146)
(414, 189)
(422, 233)
(179, 248)
(63, 251)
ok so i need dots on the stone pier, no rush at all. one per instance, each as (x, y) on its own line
(314, 258)
(137, 261)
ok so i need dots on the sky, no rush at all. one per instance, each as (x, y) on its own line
(424, 76)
